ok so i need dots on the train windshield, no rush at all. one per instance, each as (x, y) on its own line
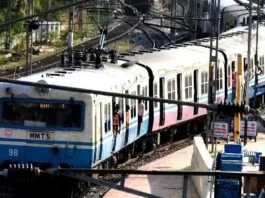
(34, 114)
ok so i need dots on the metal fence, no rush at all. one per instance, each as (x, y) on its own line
(78, 174)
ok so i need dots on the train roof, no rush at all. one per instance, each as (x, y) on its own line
(172, 58)
(197, 52)
(236, 7)
(112, 77)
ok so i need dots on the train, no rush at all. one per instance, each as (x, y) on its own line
(45, 128)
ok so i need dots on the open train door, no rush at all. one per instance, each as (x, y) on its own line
(98, 132)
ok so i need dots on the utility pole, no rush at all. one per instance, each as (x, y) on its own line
(31, 39)
(196, 21)
(256, 57)
(8, 32)
(173, 15)
(71, 28)
(213, 68)
(47, 32)
(248, 66)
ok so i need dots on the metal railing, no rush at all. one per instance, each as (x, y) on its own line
(78, 174)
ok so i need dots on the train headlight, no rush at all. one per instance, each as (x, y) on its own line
(42, 90)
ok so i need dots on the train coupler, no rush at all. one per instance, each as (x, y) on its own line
(20, 172)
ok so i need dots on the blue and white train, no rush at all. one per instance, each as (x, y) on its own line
(49, 128)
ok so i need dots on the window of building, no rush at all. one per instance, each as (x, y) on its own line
(171, 89)
(188, 86)
(155, 94)
(204, 82)
(107, 117)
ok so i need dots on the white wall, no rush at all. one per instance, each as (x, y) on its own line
(201, 161)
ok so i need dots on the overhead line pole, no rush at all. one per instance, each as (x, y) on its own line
(256, 58)
(173, 15)
(248, 66)
(212, 72)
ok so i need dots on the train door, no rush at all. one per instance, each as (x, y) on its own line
(127, 117)
(179, 95)
(137, 117)
(98, 132)
(162, 105)
(195, 87)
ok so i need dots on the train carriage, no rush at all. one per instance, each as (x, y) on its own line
(50, 128)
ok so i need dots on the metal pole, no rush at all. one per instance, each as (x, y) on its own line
(8, 32)
(196, 21)
(31, 39)
(248, 66)
(256, 58)
(70, 28)
(47, 32)
(237, 118)
(27, 48)
(173, 14)
(210, 78)
(217, 23)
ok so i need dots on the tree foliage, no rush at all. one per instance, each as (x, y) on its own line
(21, 8)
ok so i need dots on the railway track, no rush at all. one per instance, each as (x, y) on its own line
(54, 60)
(155, 35)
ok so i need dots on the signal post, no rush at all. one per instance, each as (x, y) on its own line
(237, 117)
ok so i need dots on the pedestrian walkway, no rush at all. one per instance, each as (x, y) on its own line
(163, 186)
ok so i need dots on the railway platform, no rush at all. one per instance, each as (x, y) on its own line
(162, 186)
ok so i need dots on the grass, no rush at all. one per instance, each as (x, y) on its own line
(123, 46)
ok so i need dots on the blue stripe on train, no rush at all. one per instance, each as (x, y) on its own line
(24, 154)
(47, 142)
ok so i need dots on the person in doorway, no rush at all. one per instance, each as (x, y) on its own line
(116, 127)
(233, 83)
(262, 193)
(117, 109)
(140, 115)
(127, 123)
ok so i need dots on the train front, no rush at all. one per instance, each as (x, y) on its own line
(42, 129)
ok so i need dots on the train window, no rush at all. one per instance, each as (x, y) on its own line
(261, 63)
(188, 86)
(42, 114)
(229, 75)
(219, 80)
(171, 88)
(133, 106)
(155, 94)
(107, 117)
(204, 82)
(144, 93)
